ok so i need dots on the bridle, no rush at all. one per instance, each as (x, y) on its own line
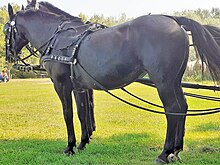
(11, 54)
(10, 40)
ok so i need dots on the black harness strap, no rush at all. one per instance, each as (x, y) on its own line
(189, 110)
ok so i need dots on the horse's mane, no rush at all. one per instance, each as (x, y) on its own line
(59, 11)
(31, 12)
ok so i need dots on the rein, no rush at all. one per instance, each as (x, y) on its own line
(159, 106)
(201, 113)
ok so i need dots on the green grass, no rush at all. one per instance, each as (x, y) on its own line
(32, 129)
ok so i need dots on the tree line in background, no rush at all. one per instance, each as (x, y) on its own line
(211, 17)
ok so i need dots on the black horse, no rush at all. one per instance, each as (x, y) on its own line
(84, 100)
(115, 57)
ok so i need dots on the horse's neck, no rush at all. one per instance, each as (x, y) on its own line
(40, 34)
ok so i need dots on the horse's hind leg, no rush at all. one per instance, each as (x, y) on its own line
(84, 113)
(179, 139)
(172, 101)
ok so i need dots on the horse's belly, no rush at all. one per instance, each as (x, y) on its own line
(104, 78)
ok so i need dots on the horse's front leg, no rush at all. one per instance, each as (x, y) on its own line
(64, 90)
(91, 109)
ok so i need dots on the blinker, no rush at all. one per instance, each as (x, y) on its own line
(12, 23)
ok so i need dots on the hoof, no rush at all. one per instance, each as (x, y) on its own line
(160, 161)
(68, 151)
(172, 158)
(82, 144)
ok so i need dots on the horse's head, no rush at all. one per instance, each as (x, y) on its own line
(32, 25)
(14, 38)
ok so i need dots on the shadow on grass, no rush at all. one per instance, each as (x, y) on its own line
(118, 149)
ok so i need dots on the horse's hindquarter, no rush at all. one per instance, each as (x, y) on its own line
(163, 46)
(117, 56)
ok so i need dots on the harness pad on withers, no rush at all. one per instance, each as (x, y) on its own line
(75, 44)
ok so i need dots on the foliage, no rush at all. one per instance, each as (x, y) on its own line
(109, 21)
(203, 16)
(16, 74)
(32, 128)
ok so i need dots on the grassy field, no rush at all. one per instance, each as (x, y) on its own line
(32, 129)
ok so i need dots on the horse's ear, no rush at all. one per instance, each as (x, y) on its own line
(10, 11)
(22, 7)
(28, 2)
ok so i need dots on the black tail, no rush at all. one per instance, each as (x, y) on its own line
(207, 47)
(215, 31)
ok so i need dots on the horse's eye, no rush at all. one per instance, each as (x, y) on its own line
(6, 28)
(5, 31)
